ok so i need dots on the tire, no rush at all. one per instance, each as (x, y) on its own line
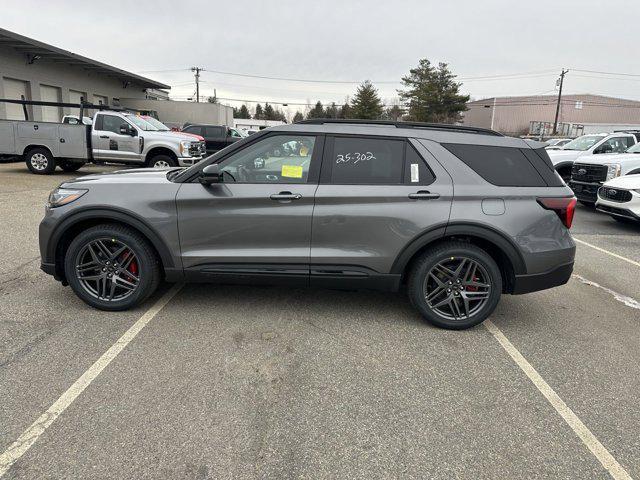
(485, 279)
(118, 267)
(40, 161)
(70, 166)
(161, 161)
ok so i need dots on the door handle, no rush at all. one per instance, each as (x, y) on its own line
(423, 195)
(104, 136)
(285, 196)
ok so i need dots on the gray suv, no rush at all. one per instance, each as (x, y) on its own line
(454, 215)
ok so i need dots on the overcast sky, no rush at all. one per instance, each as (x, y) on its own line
(347, 40)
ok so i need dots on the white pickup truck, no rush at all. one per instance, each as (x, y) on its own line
(590, 146)
(590, 172)
(114, 137)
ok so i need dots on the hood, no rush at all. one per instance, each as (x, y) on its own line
(134, 175)
(169, 135)
(197, 137)
(626, 182)
(609, 158)
(559, 156)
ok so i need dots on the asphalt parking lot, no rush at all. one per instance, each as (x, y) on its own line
(260, 382)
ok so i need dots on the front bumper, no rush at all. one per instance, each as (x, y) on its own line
(585, 191)
(188, 161)
(542, 281)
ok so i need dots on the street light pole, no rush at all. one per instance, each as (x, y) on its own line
(555, 122)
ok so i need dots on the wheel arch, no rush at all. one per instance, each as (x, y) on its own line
(495, 243)
(155, 151)
(34, 146)
(69, 228)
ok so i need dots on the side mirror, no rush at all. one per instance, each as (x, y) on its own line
(210, 174)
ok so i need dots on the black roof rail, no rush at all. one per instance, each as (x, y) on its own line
(390, 123)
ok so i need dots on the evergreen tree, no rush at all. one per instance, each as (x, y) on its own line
(394, 113)
(432, 95)
(317, 111)
(242, 112)
(345, 111)
(259, 115)
(331, 111)
(366, 103)
(298, 117)
(269, 112)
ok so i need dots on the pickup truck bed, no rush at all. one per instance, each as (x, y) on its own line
(62, 140)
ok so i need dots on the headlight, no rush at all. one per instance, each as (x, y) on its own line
(613, 171)
(64, 196)
(184, 147)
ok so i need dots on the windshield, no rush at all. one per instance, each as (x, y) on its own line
(140, 123)
(583, 143)
(634, 149)
(156, 123)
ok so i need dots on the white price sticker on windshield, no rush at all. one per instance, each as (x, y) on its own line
(415, 173)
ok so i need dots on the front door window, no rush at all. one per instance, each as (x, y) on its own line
(276, 159)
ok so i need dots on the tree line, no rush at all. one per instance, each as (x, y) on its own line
(430, 94)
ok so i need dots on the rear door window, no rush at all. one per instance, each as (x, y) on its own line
(214, 132)
(366, 160)
(502, 166)
(416, 171)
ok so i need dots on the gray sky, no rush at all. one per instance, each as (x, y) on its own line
(347, 40)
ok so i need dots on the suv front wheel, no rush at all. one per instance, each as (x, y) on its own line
(456, 285)
(111, 267)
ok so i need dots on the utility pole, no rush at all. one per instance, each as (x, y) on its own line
(197, 71)
(561, 80)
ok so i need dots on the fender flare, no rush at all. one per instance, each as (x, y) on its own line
(485, 232)
(633, 172)
(114, 214)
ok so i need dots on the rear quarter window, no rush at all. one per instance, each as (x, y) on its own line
(502, 166)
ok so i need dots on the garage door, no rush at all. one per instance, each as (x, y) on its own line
(75, 96)
(51, 94)
(100, 100)
(14, 89)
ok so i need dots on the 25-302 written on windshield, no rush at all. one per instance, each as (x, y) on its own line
(354, 157)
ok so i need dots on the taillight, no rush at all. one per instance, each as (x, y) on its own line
(564, 207)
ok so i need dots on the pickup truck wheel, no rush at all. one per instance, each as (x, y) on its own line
(456, 285)
(70, 166)
(40, 161)
(162, 161)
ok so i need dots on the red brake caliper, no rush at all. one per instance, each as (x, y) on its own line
(473, 288)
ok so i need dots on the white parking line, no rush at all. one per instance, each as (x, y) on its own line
(607, 460)
(37, 428)
(632, 262)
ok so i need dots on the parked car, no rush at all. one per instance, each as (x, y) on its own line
(590, 172)
(588, 145)
(556, 143)
(161, 127)
(362, 204)
(620, 198)
(113, 136)
(216, 137)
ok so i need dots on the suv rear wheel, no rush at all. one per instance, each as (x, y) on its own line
(456, 285)
(111, 267)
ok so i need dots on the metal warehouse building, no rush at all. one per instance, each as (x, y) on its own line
(512, 115)
(43, 72)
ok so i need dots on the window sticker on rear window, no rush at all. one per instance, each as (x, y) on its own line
(291, 171)
(415, 172)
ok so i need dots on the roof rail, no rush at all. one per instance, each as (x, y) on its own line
(426, 126)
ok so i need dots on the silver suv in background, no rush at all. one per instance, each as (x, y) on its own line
(454, 215)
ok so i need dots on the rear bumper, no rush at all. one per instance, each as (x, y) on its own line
(541, 281)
